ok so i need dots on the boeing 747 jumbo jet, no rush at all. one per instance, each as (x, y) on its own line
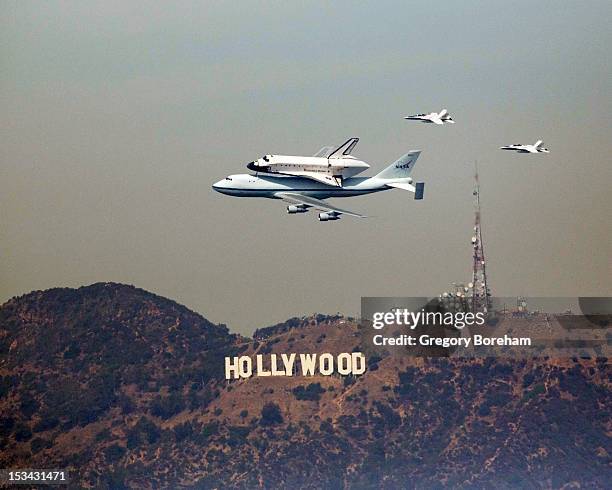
(433, 117)
(303, 183)
(535, 148)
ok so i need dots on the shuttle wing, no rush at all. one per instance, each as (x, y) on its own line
(296, 198)
(322, 177)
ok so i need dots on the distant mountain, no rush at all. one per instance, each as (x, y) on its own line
(127, 389)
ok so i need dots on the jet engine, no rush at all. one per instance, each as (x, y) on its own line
(331, 216)
(296, 209)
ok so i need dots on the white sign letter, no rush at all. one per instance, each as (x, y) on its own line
(231, 367)
(359, 363)
(308, 364)
(326, 364)
(345, 364)
(245, 367)
(261, 371)
(288, 363)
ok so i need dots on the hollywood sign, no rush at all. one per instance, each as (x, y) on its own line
(285, 365)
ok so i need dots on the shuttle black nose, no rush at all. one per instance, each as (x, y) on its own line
(258, 168)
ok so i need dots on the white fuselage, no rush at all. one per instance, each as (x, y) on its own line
(268, 185)
(433, 117)
(344, 167)
(525, 148)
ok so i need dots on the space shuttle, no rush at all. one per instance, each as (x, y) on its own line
(329, 165)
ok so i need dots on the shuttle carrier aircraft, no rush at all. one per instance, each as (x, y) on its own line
(303, 182)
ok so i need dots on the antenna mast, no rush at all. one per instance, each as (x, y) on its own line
(480, 289)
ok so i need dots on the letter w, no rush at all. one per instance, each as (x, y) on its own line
(308, 362)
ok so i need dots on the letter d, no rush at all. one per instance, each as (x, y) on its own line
(359, 363)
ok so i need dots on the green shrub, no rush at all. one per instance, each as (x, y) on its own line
(167, 406)
(39, 444)
(312, 392)
(271, 415)
(114, 453)
(22, 433)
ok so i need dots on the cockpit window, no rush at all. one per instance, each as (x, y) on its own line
(228, 178)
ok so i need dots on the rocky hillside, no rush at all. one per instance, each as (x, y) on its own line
(127, 389)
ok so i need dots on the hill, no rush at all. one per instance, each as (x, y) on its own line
(127, 389)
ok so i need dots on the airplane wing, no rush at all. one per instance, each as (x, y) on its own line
(295, 198)
(426, 118)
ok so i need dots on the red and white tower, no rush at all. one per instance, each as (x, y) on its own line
(480, 289)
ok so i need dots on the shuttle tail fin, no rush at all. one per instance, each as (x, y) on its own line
(344, 149)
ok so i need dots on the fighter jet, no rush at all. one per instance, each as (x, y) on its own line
(433, 117)
(329, 166)
(535, 148)
(302, 192)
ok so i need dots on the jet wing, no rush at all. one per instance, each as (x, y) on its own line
(425, 118)
(295, 198)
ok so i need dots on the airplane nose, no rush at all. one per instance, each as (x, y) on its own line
(217, 185)
(258, 168)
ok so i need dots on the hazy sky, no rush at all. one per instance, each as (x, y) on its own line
(116, 118)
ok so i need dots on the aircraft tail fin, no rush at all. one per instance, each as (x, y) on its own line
(401, 168)
(442, 113)
(344, 149)
(538, 143)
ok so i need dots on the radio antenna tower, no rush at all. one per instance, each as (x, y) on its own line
(480, 289)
